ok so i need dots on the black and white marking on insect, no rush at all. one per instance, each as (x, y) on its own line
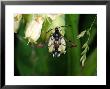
(56, 43)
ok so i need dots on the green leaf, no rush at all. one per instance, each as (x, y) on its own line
(73, 54)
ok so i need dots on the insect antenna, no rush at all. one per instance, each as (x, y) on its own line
(49, 30)
(72, 43)
(66, 26)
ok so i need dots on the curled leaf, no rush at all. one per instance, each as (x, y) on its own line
(84, 45)
(83, 61)
(83, 58)
(84, 52)
(81, 34)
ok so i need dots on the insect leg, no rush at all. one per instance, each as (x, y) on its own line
(72, 44)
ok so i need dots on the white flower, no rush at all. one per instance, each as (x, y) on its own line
(17, 18)
(33, 29)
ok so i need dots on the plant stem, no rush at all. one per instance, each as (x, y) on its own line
(92, 24)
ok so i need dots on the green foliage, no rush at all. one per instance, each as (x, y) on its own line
(86, 44)
(91, 64)
(73, 54)
(33, 61)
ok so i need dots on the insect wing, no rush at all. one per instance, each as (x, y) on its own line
(51, 44)
(62, 46)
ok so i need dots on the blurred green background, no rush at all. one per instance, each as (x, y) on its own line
(33, 61)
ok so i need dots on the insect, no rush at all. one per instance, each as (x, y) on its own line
(57, 42)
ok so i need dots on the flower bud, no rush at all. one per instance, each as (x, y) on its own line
(53, 16)
(17, 18)
(33, 29)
